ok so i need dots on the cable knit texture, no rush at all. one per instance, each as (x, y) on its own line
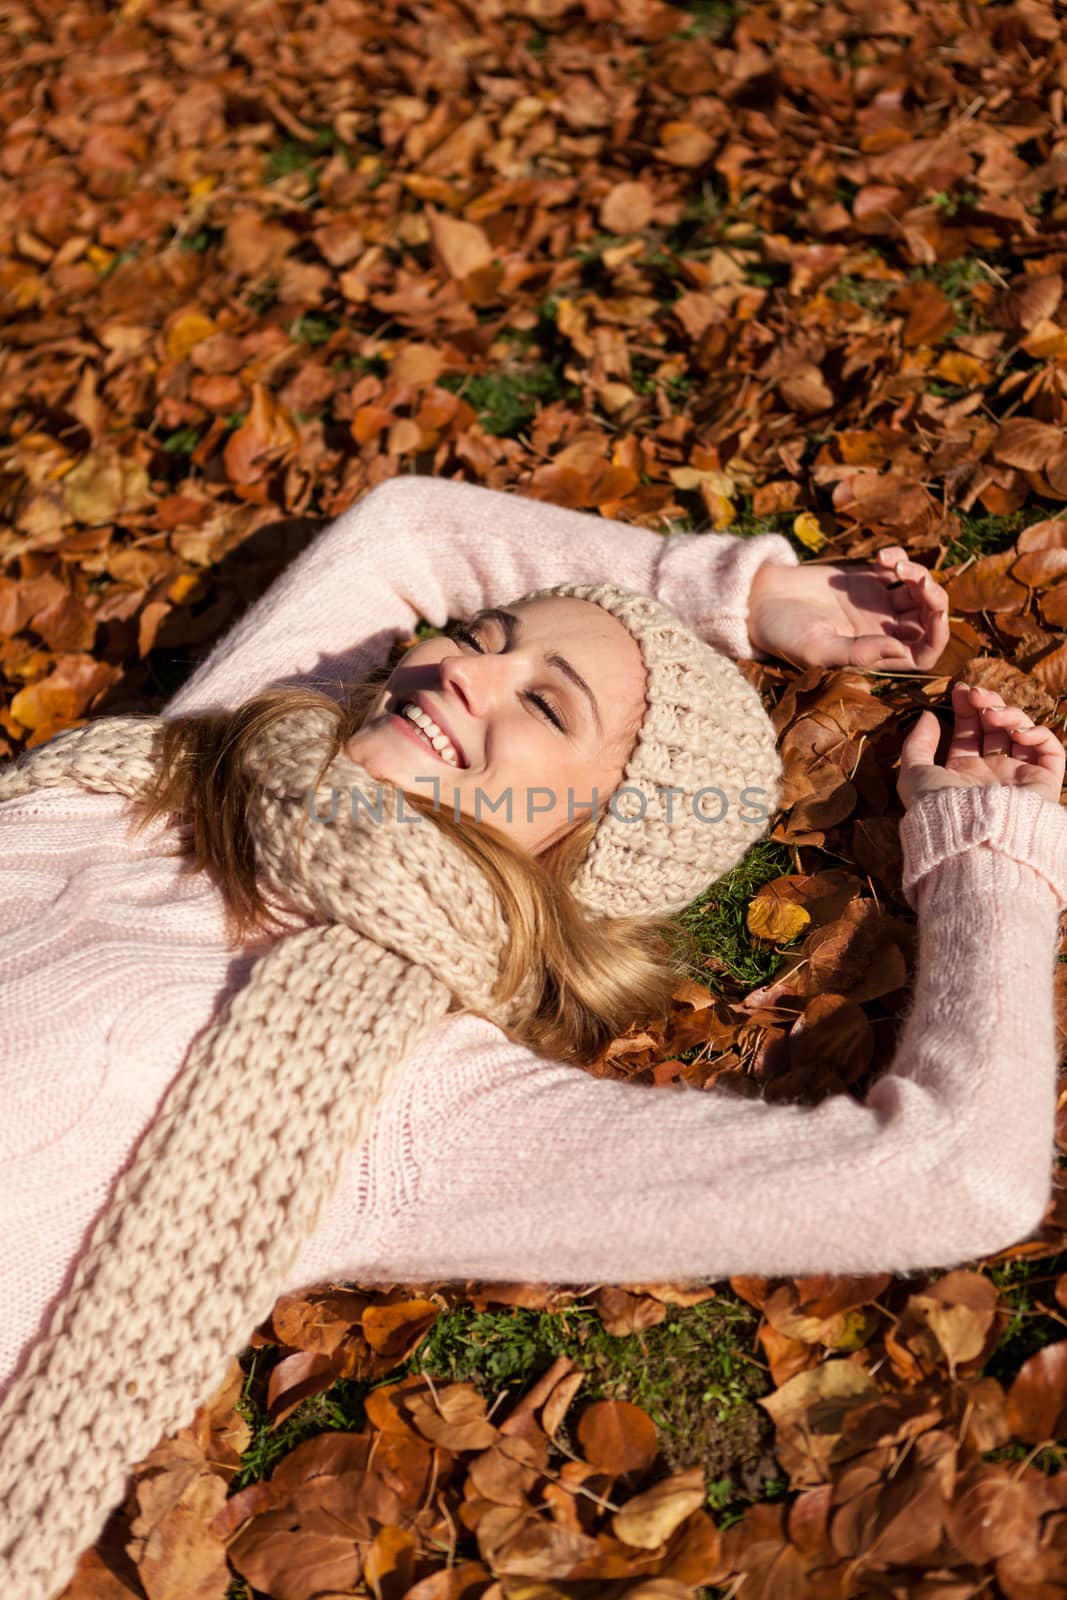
(477, 1159)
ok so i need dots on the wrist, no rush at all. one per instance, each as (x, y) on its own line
(771, 580)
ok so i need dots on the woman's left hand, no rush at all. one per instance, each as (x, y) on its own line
(887, 614)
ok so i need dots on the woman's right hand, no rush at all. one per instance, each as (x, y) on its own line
(991, 743)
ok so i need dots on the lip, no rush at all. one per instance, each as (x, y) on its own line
(431, 711)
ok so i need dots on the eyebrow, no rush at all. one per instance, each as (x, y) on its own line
(511, 625)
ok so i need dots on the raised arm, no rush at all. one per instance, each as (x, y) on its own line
(519, 1168)
(432, 547)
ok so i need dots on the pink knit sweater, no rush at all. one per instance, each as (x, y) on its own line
(485, 1160)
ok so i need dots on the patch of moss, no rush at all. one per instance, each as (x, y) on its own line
(691, 1373)
(985, 535)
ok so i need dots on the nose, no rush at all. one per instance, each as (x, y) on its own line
(477, 680)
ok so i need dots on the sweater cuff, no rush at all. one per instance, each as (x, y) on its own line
(1018, 822)
(728, 621)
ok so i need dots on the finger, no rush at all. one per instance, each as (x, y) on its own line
(920, 746)
(877, 652)
(1008, 719)
(870, 651)
(966, 724)
(1041, 747)
(916, 589)
(1048, 752)
(922, 603)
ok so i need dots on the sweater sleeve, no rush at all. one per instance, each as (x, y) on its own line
(525, 1169)
(420, 547)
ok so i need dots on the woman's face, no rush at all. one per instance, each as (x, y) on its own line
(515, 727)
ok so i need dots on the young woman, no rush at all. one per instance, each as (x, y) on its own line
(488, 1158)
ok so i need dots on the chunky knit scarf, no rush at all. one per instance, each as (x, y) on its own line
(207, 1222)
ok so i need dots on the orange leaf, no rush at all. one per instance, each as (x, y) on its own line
(618, 1436)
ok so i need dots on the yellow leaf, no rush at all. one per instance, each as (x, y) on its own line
(203, 185)
(956, 367)
(779, 921)
(417, 363)
(183, 586)
(1046, 341)
(104, 485)
(186, 332)
(720, 507)
(806, 527)
(99, 258)
(694, 477)
(41, 703)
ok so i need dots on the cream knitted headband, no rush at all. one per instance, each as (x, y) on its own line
(233, 1174)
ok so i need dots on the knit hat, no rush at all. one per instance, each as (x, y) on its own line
(704, 761)
(234, 1172)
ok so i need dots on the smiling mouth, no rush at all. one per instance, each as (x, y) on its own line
(446, 754)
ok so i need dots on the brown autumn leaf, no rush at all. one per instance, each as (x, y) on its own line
(104, 485)
(959, 1311)
(834, 1032)
(395, 1330)
(650, 1518)
(684, 144)
(930, 312)
(295, 1379)
(618, 1436)
(627, 207)
(453, 1416)
(1037, 1399)
(267, 436)
(622, 1313)
(462, 247)
(988, 585)
(885, 499)
(1024, 442)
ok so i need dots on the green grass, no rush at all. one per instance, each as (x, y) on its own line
(314, 328)
(348, 363)
(294, 156)
(1021, 1283)
(507, 401)
(716, 921)
(182, 442)
(871, 293)
(985, 535)
(712, 19)
(692, 1373)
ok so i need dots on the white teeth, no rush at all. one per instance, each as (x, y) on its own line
(435, 737)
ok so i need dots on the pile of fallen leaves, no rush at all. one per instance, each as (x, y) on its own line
(882, 1421)
(794, 266)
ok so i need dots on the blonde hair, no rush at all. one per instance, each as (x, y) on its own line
(600, 975)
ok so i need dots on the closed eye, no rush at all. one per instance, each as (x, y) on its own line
(456, 630)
